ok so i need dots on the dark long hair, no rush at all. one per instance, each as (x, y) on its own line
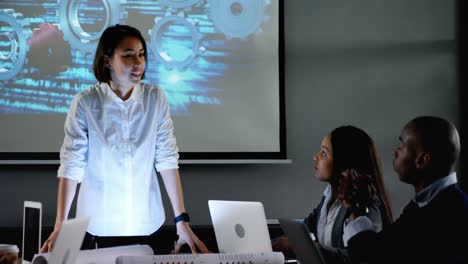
(110, 39)
(352, 148)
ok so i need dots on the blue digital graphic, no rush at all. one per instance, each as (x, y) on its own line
(47, 48)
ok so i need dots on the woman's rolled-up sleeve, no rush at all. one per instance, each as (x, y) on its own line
(167, 152)
(73, 153)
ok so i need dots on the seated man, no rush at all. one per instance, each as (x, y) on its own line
(433, 227)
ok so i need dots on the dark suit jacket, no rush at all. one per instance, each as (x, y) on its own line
(435, 233)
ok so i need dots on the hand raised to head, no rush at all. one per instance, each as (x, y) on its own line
(356, 189)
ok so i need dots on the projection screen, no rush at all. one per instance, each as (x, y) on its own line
(219, 62)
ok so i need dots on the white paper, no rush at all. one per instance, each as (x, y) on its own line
(221, 258)
(102, 255)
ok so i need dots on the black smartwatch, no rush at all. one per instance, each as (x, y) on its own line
(182, 217)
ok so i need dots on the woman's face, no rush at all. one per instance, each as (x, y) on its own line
(323, 161)
(128, 62)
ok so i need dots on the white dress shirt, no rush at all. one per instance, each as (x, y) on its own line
(327, 218)
(113, 147)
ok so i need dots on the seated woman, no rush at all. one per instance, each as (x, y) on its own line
(344, 150)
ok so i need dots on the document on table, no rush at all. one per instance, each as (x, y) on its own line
(102, 255)
(221, 258)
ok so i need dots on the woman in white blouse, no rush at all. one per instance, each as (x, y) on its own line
(118, 133)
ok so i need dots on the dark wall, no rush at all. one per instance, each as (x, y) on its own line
(463, 80)
(372, 63)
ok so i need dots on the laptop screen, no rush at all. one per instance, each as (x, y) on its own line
(69, 240)
(31, 237)
(307, 251)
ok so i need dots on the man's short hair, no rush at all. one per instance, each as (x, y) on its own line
(439, 137)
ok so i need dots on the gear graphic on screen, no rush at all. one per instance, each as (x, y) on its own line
(73, 25)
(14, 30)
(47, 45)
(179, 4)
(238, 18)
(170, 59)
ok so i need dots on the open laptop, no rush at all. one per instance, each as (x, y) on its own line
(306, 249)
(240, 226)
(69, 240)
(32, 226)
